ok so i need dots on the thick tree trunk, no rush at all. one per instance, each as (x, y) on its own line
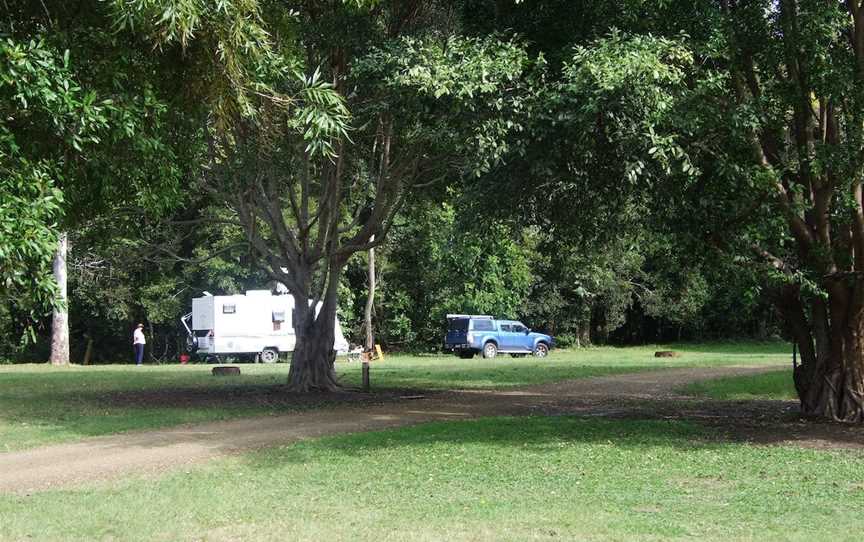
(312, 363)
(830, 378)
(60, 320)
(836, 393)
(370, 301)
(313, 358)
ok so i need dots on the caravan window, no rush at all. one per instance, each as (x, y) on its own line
(229, 309)
(278, 316)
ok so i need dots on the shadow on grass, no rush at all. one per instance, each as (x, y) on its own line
(104, 402)
(529, 434)
(489, 375)
(538, 434)
(727, 348)
(84, 402)
(271, 397)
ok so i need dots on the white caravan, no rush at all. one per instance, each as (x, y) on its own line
(255, 323)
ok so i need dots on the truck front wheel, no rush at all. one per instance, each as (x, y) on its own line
(541, 350)
(269, 355)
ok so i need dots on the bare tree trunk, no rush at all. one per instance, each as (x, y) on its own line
(60, 320)
(830, 378)
(312, 363)
(313, 358)
(837, 393)
(152, 340)
(370, 301)
(88, 354)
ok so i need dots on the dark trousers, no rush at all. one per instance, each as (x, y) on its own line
(139, 353)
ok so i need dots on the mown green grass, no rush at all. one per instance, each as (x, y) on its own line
(450, 372)
(553, 478)
(776, 385)
(40, 404)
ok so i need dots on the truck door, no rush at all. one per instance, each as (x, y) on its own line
(507, 340)
(522, 341)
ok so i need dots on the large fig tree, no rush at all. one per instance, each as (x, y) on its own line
(743, 130)
(797, 75)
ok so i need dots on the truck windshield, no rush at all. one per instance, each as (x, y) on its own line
(458, 324)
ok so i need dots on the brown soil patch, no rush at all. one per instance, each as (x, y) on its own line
(640, 395)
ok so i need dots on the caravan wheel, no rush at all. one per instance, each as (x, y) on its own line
(269, 355)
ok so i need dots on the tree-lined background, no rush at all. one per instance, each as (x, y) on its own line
(610, 172)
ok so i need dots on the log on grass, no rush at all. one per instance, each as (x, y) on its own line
(666, 354)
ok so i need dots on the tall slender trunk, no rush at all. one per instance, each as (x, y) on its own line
(88, 354)
(370, 301)
(60, 320)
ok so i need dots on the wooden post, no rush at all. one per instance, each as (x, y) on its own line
(365, 372)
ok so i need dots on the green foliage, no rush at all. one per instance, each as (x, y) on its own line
(238, 46)
(45, 119)
(463, 98)
(121, 278)
(578, 194)
(460, 265)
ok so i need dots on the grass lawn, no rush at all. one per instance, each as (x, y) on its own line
(450, 372)
(40, 404)
(552, 478)
(776, 385)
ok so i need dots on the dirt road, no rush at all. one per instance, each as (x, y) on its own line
(95, 459)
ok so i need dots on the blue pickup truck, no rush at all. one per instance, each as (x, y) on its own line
(470, 334)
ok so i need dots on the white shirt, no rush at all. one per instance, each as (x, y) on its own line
(138, 337)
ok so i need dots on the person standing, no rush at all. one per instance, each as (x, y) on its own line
(138, 342)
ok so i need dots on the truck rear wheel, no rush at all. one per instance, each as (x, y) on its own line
(490, 350)
(269, 355)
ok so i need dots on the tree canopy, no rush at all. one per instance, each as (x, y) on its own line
(609, 171)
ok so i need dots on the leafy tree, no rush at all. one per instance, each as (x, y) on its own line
(747, 139)
(794, 72)
(109, 141)
(46, 119)
(125, 272)
(441, 259)
(308, 192)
